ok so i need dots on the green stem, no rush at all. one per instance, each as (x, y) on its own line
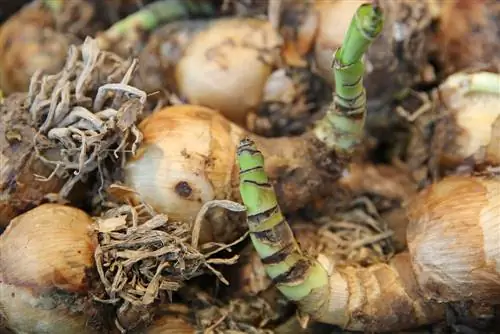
(299, 278)
(342, 127)
(156, 13)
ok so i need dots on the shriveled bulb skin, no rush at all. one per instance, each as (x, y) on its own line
(395, 60)
(468, 36)
(45, 256)
(470, 102)
(454, 237)
(29, 42)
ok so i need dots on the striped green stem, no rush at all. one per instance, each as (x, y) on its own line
(300, 278)
(342, 127)
(156, 13)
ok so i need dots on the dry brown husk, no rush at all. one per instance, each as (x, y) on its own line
(67, 127)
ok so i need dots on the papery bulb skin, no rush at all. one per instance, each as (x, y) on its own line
(186, 159)
(46, 255)
(454, 237)
(179, 181)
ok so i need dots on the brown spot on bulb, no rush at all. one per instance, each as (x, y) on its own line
(183, 189)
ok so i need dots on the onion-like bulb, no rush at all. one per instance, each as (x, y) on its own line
(29, 42)
(187, 158)
(454, 238)
(226, 65)
(45, 255)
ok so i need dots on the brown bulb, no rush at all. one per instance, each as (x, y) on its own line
(222, 64)
(45, 258)
(29, 42)
(454, 238)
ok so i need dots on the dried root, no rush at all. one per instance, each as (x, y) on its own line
(142, 258)
(68, 128)
(249, 315)
(90, 121)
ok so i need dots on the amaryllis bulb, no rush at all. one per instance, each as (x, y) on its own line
(45, 258)
(29, 42)
(454, 237)
(226, 65)
(186, 158)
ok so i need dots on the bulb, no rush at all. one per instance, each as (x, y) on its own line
(226, 65)
(454, 237)
(187, 158)
(45, 258)
(28, 42)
